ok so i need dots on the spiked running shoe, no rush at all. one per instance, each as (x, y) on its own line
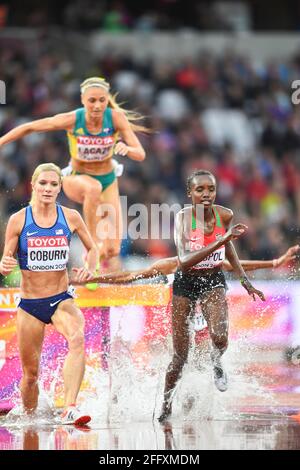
(71, 415)
(220, 378)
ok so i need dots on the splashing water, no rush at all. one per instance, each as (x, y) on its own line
(132, 391)
(44, 414)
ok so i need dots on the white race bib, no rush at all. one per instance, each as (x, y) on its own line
(211, 261)
(94, 149)
(50, 253)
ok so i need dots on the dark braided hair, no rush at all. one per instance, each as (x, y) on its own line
(194, 175)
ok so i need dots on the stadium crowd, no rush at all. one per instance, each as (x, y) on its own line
(225, 113)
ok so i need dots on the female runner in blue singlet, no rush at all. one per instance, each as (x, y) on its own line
(40, 235)
(93, 133)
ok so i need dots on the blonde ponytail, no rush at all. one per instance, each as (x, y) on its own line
(132, 116)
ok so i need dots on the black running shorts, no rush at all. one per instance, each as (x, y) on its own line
(193, 286)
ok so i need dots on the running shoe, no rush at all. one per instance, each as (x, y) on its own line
(71, 415)
(220, 378)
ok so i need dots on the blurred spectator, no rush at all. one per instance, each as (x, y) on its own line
(224, 114)
(117, 18)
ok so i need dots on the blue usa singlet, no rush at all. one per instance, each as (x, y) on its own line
(44, 249)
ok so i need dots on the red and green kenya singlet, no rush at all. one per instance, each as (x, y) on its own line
(198, 239)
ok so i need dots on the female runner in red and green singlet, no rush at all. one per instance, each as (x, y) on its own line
(202, 227)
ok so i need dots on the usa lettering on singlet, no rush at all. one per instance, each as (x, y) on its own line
(47, 253)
